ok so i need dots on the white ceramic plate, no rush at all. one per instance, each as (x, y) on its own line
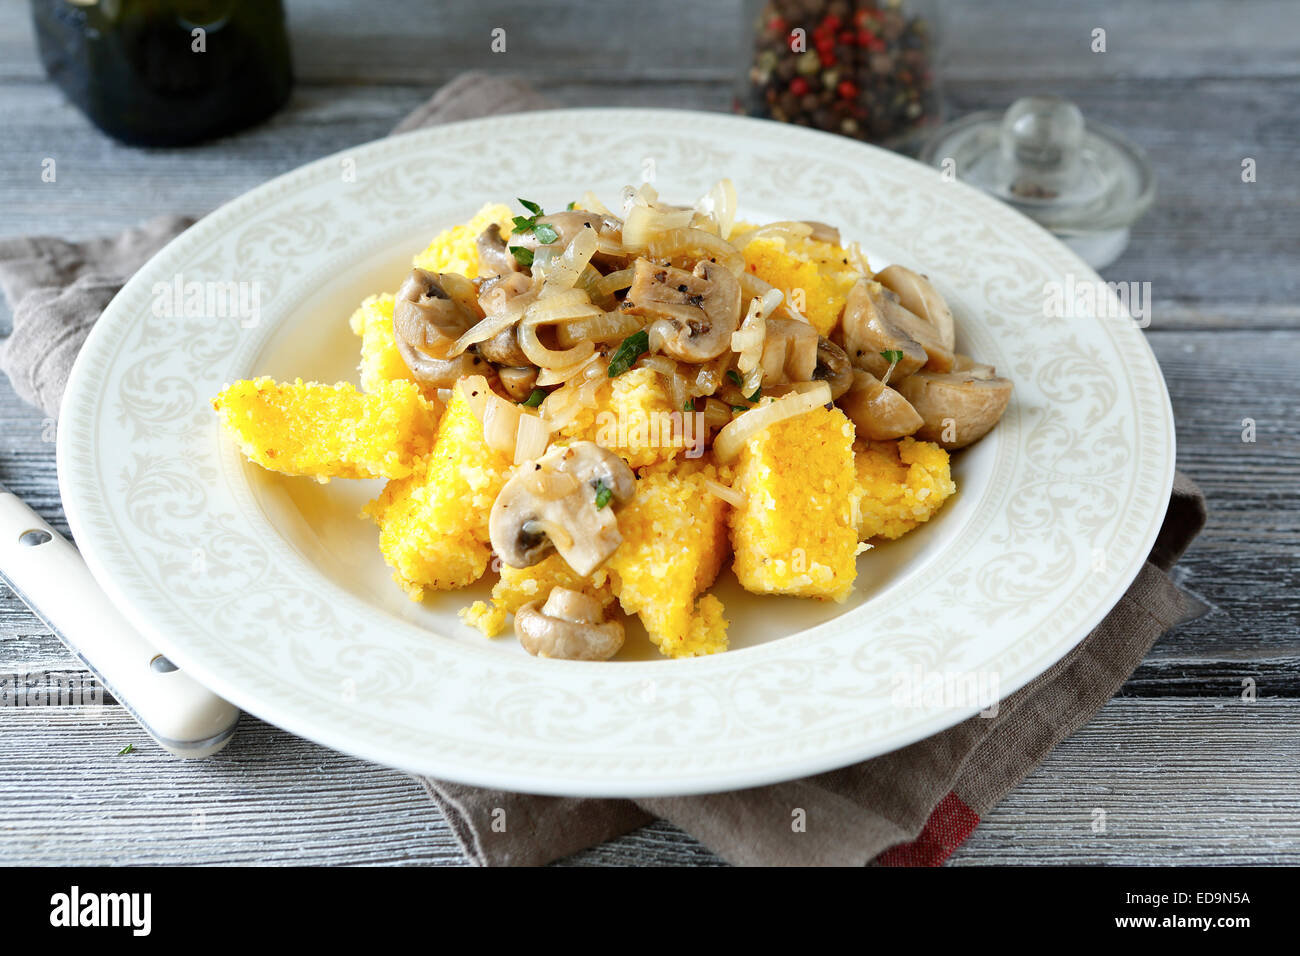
(273, 592)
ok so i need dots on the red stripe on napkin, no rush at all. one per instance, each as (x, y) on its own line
(950, 823)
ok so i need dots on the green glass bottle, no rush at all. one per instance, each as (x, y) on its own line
(167, 72)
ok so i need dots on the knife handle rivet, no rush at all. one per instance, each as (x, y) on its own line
(32, 539)
(162, 665)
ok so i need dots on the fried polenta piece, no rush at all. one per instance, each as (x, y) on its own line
(816, 274)
(900, 484)
(329, 431)
(674, 542)
(636, 420)
(795, 533)
(433, 525)
(380, 360)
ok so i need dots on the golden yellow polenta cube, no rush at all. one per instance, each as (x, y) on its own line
(433, 525)
(456, 249)
(635, 419)
(674, 542)
(900, 484)
(380, 360)
(795, 533)
(329, 431)
(815, 276)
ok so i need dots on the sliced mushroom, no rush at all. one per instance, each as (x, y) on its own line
(493, 255)
(875, 322)
(789, 351)
(430, 313)
(958, 408)
(570, 626)
(918, 295)
(938, 355)
(596, 466)
(964, 363)
(513, 291)
(553, 503)
(794, 352)
(694, 312)
(833, 367)
(821, 232)
(566, 224)
(504, 349)
(877, 411)
(867, 333)
(497, 292)
(518, 382)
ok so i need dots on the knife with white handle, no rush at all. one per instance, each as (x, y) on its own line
(48, 573)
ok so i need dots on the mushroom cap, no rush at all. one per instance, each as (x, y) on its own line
(694, 312)
(957, 408)
(877, 411)
(551, 503)
(966, 364)
(573, 606)
(867, 332)
(566, 225)
(789, 350)
(917, 294)
(568, 627)
(591, 463)
(495, 292)
(430, 312)
(833, 367)
(493, 254)
(518, 381)
(875, 322)
(504, 349)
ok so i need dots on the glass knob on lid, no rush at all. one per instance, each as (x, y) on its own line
(1039, 145)
(1081, 180)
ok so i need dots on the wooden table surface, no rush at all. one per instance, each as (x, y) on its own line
(1187, 770)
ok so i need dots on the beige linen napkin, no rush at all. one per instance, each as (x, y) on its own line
(911, 807)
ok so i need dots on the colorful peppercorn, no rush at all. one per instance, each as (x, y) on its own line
(857, 67)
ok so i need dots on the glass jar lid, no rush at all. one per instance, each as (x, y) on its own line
(1075, 177)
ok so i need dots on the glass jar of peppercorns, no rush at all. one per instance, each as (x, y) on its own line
(862, 68)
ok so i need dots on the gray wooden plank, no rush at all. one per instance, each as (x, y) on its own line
(103, 186)
(1197, 134)
(269, 798)
(416, 41)
(404, 41)
(1245, 563)
(1180, 781)
(1172, 671)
